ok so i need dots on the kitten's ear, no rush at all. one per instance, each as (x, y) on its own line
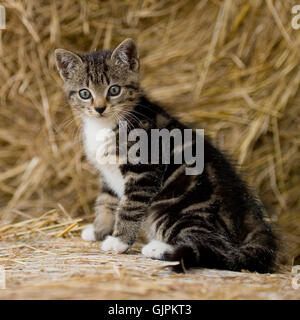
(127, 54)
(67, 63)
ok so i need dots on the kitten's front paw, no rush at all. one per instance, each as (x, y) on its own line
(88, 233)
(114, 244)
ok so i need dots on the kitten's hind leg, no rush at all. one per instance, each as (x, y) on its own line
(157, 249)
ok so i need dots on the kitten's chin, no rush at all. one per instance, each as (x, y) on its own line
(96, 116)
(106, 121)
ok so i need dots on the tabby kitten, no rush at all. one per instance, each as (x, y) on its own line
(206, 220)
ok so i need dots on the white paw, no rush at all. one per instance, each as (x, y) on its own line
(88, 233)
(114, 244)
(156, 249)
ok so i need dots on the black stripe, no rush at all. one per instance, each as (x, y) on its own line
(137, 208)
(136, 168)
(151, 190)
(106, 189)
(87, 72)
(194, 221)
(135, 196)
(71, 93)
(131, 86)
(211, 208)
(133, 218)
(106, 78)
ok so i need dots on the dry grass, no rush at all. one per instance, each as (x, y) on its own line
(231, 67)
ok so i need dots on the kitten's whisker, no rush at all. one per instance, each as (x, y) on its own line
(139, 113)
(66, 124)
(122, 114)
(146, 107)
(131, 126)
(76, 135)
(135, 118)
(130, 114)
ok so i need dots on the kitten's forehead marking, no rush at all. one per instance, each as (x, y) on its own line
(97, 69)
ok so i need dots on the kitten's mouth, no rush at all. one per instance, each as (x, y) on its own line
(98, 115)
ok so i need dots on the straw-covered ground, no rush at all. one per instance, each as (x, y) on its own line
(45, 259)
(74, 269)
(231, 67)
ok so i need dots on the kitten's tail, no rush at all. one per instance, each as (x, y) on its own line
(258, 255)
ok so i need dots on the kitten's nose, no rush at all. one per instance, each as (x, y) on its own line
(100, 109)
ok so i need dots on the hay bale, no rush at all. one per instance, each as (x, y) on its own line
(231, 67)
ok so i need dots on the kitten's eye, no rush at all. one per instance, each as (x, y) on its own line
(85, 94)
(114, 90)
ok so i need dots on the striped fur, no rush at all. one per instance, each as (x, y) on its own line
(207, 220)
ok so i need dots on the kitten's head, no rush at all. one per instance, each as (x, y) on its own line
(101, 84)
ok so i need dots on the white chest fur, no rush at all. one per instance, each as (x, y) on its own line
(93, 128)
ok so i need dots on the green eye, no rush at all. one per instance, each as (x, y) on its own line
(114, 90)
(84, 94)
